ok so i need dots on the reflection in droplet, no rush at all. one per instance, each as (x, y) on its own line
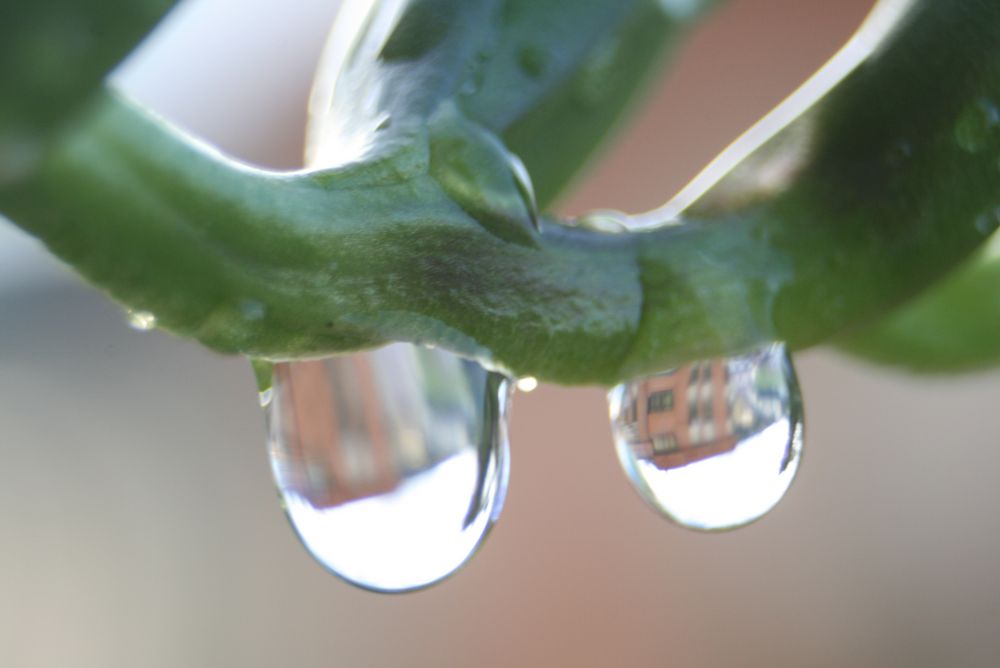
(142, 321)
(392, 464)
(713, 444)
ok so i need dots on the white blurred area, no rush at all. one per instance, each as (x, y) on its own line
(140, 527)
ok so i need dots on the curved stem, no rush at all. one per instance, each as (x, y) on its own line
(872, 193)
(309, 263)
(53, 55)
(871, 197)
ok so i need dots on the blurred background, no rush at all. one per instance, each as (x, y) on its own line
(141, 528)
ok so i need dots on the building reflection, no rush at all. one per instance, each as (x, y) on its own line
(685, 415)
(357, 426)
(335, 445)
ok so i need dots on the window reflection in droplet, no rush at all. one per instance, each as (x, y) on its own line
(713, 444)
(392, 464)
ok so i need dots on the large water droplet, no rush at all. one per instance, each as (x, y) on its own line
(392, 464)
(714, 444)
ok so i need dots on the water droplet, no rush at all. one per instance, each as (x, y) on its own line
(977, 125)
(265, 396)
(392, 464)
(604, 220)
(141, 321)
(524, 187)
(713, 444)
(263, 373)
(527, 384)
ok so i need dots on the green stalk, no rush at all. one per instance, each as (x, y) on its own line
(53, 56)
(859, 202)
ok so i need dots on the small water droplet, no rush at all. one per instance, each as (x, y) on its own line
(392, 464)
(713, 444)
(263, 374)
(977, 125)
(141, 321)
(527, 384)
(265, 397)
(604, 220)
(524, 186)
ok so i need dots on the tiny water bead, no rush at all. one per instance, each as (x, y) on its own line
(392, 465)
(713, 444)
(141, 321)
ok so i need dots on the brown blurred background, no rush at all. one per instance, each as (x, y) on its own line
(140, 527)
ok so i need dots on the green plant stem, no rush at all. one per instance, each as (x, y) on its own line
(53, 56)
(873, 199)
